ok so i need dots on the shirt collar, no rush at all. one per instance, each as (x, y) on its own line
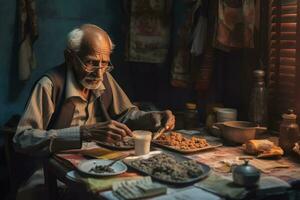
(73, 88)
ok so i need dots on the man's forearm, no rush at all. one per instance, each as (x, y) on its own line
(38, 142)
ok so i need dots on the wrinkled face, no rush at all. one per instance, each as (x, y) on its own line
(92, 61)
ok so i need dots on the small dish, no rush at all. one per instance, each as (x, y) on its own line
(87, 166)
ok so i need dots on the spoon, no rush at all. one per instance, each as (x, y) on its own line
(158, 133)
(106, 168)
(116, 160)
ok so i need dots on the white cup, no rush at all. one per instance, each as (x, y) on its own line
(226, 114)
(142, 140)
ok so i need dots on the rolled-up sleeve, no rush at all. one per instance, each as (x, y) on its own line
(32, 137)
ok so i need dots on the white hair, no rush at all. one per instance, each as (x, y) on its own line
(74, 39)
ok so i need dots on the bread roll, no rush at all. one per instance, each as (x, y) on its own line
(258, 146)
(274, 151)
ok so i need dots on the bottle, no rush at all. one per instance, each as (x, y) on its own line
(191, 116)
(211, 118)
(289, 131)
(258, 99)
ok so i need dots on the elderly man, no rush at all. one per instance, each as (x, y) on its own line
(80, 101)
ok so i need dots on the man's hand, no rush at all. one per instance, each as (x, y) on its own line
(109, 131)
(164, 119)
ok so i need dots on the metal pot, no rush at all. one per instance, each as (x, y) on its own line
(238, 132)
(246, 175)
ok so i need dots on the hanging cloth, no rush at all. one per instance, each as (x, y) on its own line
(235, 24)
(149, 30)
(28, 33)
(189, 42)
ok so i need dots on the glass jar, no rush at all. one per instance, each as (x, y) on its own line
(289, 131)
(191, 116)
(258, 99)
(211, 118)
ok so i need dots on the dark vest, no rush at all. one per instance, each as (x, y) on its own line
(64, 108)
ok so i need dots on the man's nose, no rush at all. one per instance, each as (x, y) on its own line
(98, 73)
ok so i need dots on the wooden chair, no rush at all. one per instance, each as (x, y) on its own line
(20, 167)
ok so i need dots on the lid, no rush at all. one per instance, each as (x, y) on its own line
(289, 115)
(215, 109)
(191, 106)
(258, 73)
(246, 170)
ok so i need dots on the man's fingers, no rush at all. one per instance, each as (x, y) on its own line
(113, 137)
(114, 129)
(171, 123)
(172, 126)
(123, 127)
(106, 136)
(113, 126)
(170, 120)
(156, 117)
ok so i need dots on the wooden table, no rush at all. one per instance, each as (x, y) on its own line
(55, 170)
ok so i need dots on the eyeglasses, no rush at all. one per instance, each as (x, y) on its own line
(93, 65)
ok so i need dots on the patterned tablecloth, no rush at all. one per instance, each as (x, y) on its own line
(285, 168)
(219, 159)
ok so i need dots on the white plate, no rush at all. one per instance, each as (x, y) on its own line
(86, 166)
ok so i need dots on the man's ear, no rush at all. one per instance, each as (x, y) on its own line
(68, 56)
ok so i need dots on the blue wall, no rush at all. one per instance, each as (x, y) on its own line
(55, 19)
(7, 19)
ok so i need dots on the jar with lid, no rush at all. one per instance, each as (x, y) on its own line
(258, 99)
(246, 175)
(191, 116)
(211, 118)
(289, 131)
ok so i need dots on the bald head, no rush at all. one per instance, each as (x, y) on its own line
(89, 39)
(88, 54)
